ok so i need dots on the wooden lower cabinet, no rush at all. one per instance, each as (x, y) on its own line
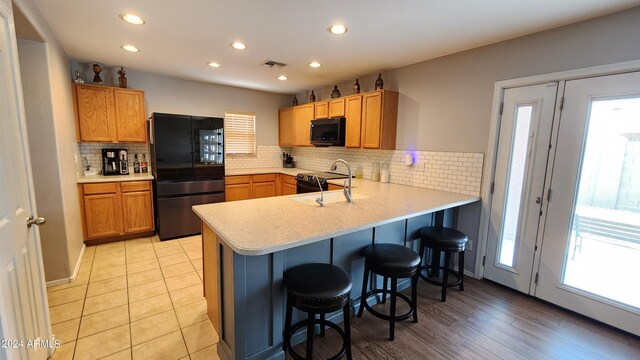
(244, 187)
(237, 192)
(288, 185)
(263, 185)
(136, 212)
(102, 215)
(115, 210)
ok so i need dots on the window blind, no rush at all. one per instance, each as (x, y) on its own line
(240, 132)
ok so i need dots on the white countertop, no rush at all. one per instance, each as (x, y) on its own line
(255, 171)
(263, 226)
(113, 178)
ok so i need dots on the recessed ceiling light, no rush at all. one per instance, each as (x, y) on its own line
(130, 48)
(132, 19)
(213, 64)
(238, 45)
(282, 77)
(315, 64)
(337, 29)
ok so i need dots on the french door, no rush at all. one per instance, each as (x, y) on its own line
(590, 257)
(523, 148)
(565, 212)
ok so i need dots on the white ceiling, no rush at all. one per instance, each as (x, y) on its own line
(180, 37)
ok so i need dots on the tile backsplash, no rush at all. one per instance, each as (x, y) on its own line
(448, 171)
(92, 152)
(266, 156)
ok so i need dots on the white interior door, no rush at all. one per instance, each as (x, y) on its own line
(24, 317)
(591, 244)
(523, 148)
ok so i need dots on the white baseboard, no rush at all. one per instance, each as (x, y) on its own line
(58, 282)
(76, 270)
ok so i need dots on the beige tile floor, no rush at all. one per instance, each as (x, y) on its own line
(135, 299)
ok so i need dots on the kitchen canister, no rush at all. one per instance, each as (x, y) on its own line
(384, 173)
(375, 171)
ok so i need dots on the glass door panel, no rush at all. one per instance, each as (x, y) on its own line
(515, 184)
(605, 231)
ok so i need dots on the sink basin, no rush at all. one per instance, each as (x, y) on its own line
(329, 197)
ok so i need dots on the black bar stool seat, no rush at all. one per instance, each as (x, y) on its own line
(449, 241)
(317, 289)
(394, 262)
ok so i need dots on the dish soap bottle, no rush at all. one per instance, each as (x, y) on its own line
(144, 165)
(358, 171)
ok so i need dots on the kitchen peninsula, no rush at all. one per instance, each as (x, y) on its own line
(249, 245)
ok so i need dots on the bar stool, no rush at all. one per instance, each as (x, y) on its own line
(317, 289)
(391, 261)
(449, 241)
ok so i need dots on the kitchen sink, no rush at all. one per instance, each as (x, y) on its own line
(329, 197)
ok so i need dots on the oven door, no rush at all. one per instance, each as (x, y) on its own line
(308, 187)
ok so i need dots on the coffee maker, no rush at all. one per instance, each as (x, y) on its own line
(115, 162)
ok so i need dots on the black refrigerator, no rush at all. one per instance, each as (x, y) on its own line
(187, 157)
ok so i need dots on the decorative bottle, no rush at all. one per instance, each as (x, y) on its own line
(144, 165)
(294, 101)
(379, 82)
(312, 98)
(136, 164)
(356, 87)
(335, 93)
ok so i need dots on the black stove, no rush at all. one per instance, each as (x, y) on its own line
(306, 182)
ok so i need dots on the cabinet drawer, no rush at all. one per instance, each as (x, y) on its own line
(241, 179)
(287, 179)
(130, 186)
(99, 188)
(264, 178)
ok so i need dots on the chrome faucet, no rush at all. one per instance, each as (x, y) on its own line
(347, 189)
(320, 200)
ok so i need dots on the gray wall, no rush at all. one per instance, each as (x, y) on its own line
(57, 91)
(445, 103)
(38, 113)
(171, 95)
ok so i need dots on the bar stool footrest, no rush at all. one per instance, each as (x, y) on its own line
(295, 328)
(388, 317)
(436, 282)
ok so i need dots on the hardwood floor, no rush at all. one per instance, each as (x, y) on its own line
(486, 321)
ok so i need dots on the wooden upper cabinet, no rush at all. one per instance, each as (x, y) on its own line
(321, 109)
(336, 107)
(379, 120)
(107, 114)
(131, 122)
(353, 114)
(93, 106)
(285, 127)
(302, 116)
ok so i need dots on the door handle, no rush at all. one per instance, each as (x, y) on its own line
(37, 221)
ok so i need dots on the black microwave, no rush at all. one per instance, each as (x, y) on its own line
(328, 132)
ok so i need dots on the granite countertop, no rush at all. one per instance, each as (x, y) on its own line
(113, 178)
(256, 171)
(263, 226)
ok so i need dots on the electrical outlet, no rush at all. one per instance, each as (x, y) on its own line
(470, 245)
(421, 166)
